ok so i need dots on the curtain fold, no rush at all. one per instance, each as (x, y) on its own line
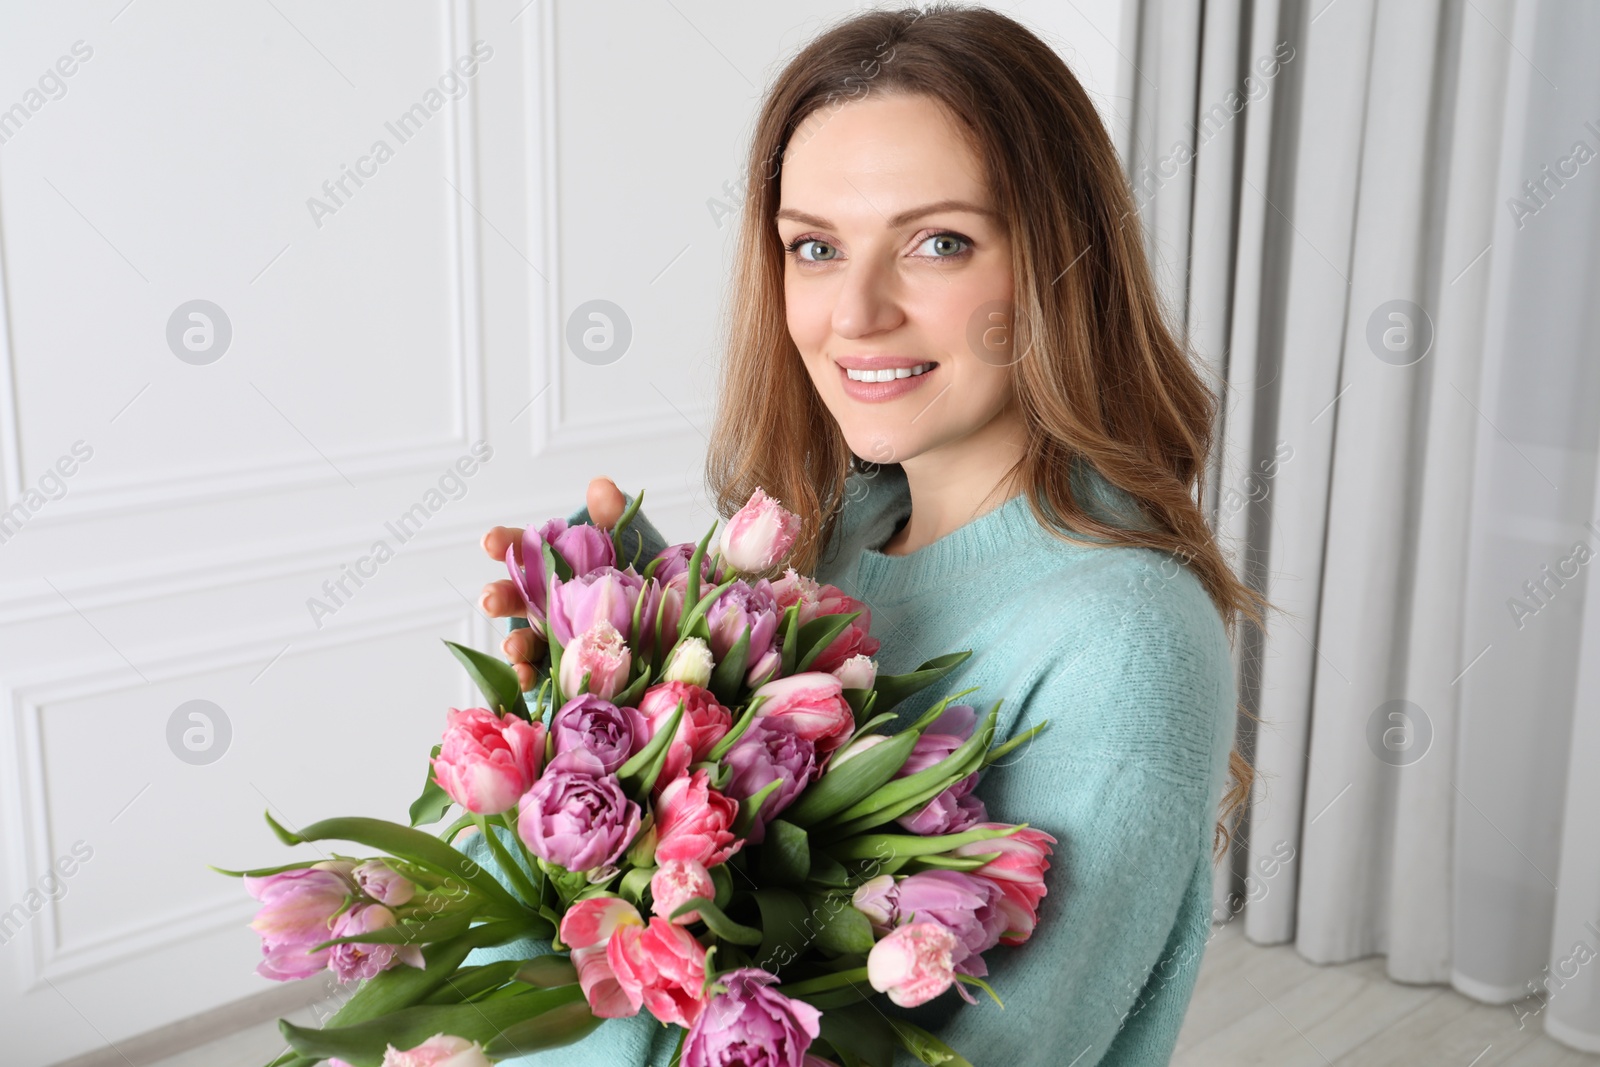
(1385, 258)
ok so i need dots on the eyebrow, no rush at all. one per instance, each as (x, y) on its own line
(897, 221)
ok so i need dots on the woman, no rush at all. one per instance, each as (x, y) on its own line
(1029, 491)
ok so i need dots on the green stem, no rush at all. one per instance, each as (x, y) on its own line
(519, 881)
(828, 981)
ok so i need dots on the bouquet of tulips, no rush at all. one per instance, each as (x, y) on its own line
(697, 813)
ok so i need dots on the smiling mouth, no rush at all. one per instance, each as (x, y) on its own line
(889, 374)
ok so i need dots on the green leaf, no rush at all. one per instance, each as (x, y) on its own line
(731, 738)
(791, 639)
(818, 634)
(642, 769)
(785, 854)
(495, 677)
(951, 863)
(750, 808)
(862, 1031)
(406, 843)
(364, 1043)
(692, 588)
(783, 927)
(728, 676)
(893, 688)
(825, 870)
(434, 801)
(896, 797)
(847, 784)
(427, 932)
(556, 1027)
(469, 982)
(401, 986)
(926, 1047)
(718, 922)
(622, 526)
(999, 752)
(263, 872)
(841, 930)
(693, 620)
(929, 717)
(547, 972)
(882, 846)
(634, 883)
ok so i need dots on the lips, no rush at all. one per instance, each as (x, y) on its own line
(875, 392)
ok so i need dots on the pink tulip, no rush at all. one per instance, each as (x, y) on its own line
(383, 883)
(912, 963)
(816, 600)
(813, 705)
(703, 724)
(695, 822)
(1018, 871)
(581, 601)
(857, 672)
(759, 535)
(440, 1050)
(602, 654)
(675, 883)
(357, 960)
(297, 912)
(586, 929)
(661, 966)
(487, 761)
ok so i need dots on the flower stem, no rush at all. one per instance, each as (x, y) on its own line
(519, 880)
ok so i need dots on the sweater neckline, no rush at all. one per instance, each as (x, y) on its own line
(978, 541)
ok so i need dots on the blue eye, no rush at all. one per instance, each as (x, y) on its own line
(948, 237)
(795, 245)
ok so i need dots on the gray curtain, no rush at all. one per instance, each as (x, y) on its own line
(1379, 222)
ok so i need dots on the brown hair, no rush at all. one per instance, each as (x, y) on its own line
(1105, 378)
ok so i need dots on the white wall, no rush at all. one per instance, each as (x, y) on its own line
(373, 347)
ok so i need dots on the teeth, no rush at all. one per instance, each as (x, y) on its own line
(888, 375)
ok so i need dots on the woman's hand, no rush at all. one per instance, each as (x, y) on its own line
(501, 599)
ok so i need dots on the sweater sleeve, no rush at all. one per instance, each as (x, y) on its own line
(1125, 778)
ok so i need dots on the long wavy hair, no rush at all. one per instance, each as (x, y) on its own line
(1105, 378)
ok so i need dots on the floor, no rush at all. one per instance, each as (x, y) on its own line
(1253, 1005)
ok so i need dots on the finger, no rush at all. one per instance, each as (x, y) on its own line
(522, 646)
(498, 539)
(527, 677)
(501, 600)
(605, 502)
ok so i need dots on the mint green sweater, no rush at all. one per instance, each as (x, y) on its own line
(1123, 652)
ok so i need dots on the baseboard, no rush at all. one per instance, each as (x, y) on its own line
(153, 1046)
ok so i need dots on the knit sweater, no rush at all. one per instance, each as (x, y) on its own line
(1121, 649)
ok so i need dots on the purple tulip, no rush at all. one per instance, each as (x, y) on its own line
(965, 904)
(576, 815)
(611, 733)
(604, 593)
(384, 884)
(675, 561)
(357, 960)
(586, 548)
(297, 911)
(742, 607)
(769, 750)
(751, 1024)
(956, 809)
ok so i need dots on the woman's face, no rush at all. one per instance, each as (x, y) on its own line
(896, 256)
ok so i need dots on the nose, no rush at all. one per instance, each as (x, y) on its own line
(867, 301)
